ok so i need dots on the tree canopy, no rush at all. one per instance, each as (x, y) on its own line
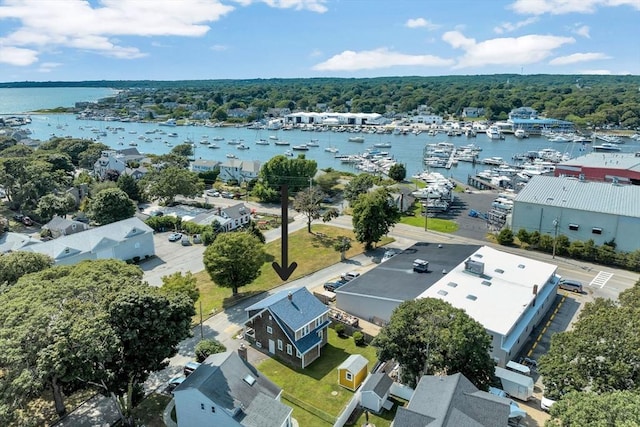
(600, 353)
(616, 408)
(111, 205)
(14, 265)
(167, 183)
(279, 170)
(429, 336)
(309, 202)
(359, 184)
(373, 216)
(233, 260)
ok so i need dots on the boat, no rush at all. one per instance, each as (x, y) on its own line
(301, 147)
(231, 156)
(273, 137)
(331, 150)
(288, 153)
(382, 145)
(313, 143)
(281, 142)
(242, 147)
(214, 146)
(168, 122)
(173, 135)
(218, 138)
(494, 133)
(233, 142)
(262, 142)
(356, 139)
(521, 134)
(606, 147)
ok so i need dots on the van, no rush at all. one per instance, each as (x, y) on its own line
(570, 285)
(420, 265)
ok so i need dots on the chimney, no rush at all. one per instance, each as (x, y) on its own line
(242, 352)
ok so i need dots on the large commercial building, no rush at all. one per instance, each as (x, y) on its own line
(508, 294)
(621, 167)
(581, 210)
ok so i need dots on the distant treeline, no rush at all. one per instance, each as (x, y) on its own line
(587, 100)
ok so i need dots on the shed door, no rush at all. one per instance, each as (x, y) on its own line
(272, 346)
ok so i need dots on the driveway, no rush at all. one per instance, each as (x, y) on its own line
(171, 257)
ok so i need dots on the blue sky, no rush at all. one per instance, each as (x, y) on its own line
(71, 40)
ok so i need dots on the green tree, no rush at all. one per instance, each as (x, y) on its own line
(617, 408)
(309, 202)
(129, 185)
(279, 170)
(429, 336)
(184, 150)
(50, 205)
(398, 172)
(505, 237)
(166, 184)
(233, 260)
(14, 265)
(599, 353)
(524, 236)
(373, 215)
(177, 283)
(342, 245)
(360, 184)
(111, 205)
(206, 348)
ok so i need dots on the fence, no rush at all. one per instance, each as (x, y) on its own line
(309, 408)
(346, 413)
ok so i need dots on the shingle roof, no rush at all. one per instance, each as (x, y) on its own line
(354, 363)
(295, 312)
(571, 193)
(379, 383)
(16, 241)
(453, 401)
(221, 378)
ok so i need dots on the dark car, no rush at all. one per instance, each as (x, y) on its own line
(332, 286)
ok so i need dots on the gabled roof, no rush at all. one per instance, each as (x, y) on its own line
(354, 363)
(16, 241)
(233, 384)
(452, 401)
(378, 383)
(295, 307)
(59, 223)
(92, 239)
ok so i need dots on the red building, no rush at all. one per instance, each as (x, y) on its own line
(623, 167)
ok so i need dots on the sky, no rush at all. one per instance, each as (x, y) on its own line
(75, 40)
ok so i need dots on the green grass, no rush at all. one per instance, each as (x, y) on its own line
(312, 252)
(317, 385)
(433, 224)
(149, 412)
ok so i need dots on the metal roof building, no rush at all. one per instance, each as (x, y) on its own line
(580, 209)
(623, 167)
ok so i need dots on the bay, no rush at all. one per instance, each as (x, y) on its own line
(25, 100)
(147, 138)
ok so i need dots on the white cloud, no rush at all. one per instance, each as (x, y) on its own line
(318, 6)
(17, 56)
(507, 27)
(421, 23)
(376, 59)
(517, 51)
(583, 31)
(78, 24)
(47, 67)
(560, 7)
(578, 57)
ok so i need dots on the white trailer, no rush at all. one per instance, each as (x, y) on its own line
(516, 385)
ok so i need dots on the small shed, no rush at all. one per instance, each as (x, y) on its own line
(352, 372)
(374, 393)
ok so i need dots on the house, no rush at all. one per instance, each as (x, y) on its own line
(239, 170)
(580, 210)
(352, 371)
(10, 242)
(59, 226)
(109, 160)
(128, 239)
(291, 324)
(452, 401)
(229, 219)
(375, 391)
(202, 165)
(225, 390)
(472, 112)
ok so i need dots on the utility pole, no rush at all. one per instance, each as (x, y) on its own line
(426, 213)
(555, 236)
(201, 330)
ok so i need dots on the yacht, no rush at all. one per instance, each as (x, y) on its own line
(521, 134)
(356, 139)
(494, 133)
(606, 147)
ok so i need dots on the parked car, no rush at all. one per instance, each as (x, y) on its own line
(420, 265)
(349, 275)
(23, 219)
(185, 241)
(570, 285)
(332, 286)
(174, 237)
(190, 367)
(175, 382)
(388, 254)
(212, 193)
(546, 404)
(197, 239)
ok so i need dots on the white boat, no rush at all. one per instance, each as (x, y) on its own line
(214, 146)
(278, 142)
(606, 146)
(168, 122)
(494, 132)
(262, 142)
(231, 156)
(313, 143)
(242, 147)
(218, 138)
(521, 134)
(301, 147)
(331, 150)
(382, 145)
(356, 139)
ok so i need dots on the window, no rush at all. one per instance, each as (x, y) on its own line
(452, 284)
(573, 227)
(320, 334)
(499, 271)
(305, 330)
(289, 349)
(442, 292)
(280, 345)
(318, 321)
(486, 283)
(213, 409)
(202, 406)
(349, 376)
(298, 354)
(269, 330)
(137, 245)
(596, 230)
(258, 344)
(472, 297)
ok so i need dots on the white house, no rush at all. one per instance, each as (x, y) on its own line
(124, 240)
(229, 218)
(203, 165)
(109, 160)
(239, 170)
(374, 393)
(225, 390)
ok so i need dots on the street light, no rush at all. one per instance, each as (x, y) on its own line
(555, 236)
(426, 214)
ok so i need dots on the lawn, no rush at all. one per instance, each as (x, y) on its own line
(312, 252)
(149, 412)
(433, 224)
(317, 385)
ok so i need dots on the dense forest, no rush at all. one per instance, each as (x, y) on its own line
(587, 100)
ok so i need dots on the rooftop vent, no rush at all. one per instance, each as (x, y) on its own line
(474, 267)
(249, 379)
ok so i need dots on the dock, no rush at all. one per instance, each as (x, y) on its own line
(452, 157)
(481, 184)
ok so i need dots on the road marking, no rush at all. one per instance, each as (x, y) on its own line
(601, 279)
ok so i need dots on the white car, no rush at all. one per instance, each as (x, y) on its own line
(349, 276)
(546, 404)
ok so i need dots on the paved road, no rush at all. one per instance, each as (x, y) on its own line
(225, 326)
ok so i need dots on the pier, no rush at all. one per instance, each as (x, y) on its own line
(481, 184)
(452, 158)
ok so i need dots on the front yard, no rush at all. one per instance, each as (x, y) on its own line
(317, 385)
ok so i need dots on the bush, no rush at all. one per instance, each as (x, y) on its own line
(206, 348)
(358, 338)
(505, 237)
(340, 329)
